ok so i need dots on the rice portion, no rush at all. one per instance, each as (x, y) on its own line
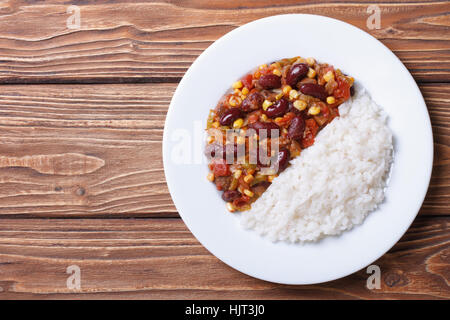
(332, 185)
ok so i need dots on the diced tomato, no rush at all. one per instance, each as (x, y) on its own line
(343, 89)
(254, 116)
(221, 168)
(239, 202)
(286, 120)
(247, 81)
(310, 133)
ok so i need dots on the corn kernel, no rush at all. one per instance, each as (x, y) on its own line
(266, 104)
(240, 140)
(263, 66)
(234, 101)
(278, 119)
(286, 89)
(264, 117)
(331, 100)
(231, 207)
(216, 124)
(237, 85)
(311, 73)
(314, 111)
(257, 75)
(248, 178)
(210, 139)
(237, 91)
(238, 123)
(328, 76)
(300, 105)
(310, 61)
(210, 177)
(293, 94)
(245, 91)
(277, 72)
(271, 177)
(248, 193)
(279, 96)
(251, 171)
(237, 174)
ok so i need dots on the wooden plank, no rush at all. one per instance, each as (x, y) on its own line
(129, 41)
(100, 126)
(148, 258)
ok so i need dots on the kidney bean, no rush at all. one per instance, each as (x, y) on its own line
(270, 81)
(314, 90)
(268, 126)
(296, 128)
(278, 108)
(253, 102)
(283, 159)
(229, 116)
(230, 195)
(352, 90)
(296, 73)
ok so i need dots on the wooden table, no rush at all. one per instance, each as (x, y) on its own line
(81, 121)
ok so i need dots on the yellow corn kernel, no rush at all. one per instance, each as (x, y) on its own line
(264, 117)
(237, 85)
(237, 174)
(257, 75)
(231, 207)
(248, 193)
(285, 131)
(300, 105)
(293, 94)
(234, 101)
(328, 76)
(210, 177)
(286, 89)
(311, 73)
(240, 140)
(216, 124)
(314, 111)
(237, 91)
(310, 61)
(248, 178)
(251, 171)
(331, 100)
(266, 104)
(277, 72)
(279, 96)
(210, 139)
(263, 66)
(238, 123)
(271, 177)
(245, 91)
(352, 80)
(278, 119)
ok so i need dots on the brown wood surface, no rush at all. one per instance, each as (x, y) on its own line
(81, 121)
(157, 41)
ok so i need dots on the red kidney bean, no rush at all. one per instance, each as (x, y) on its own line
(270, 81)
(352, 90)
(296, 73)
(230, 195)
(314, 90)
(283, 159)
(268, 126)
(229, 116)
(253, 102)
(278, 108)
(296, 128)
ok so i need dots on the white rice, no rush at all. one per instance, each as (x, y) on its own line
(333, 184)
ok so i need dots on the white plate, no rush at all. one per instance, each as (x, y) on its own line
(356, 53)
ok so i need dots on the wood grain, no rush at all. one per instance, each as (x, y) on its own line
(111, 122)
(136, 41)
(159, 258)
